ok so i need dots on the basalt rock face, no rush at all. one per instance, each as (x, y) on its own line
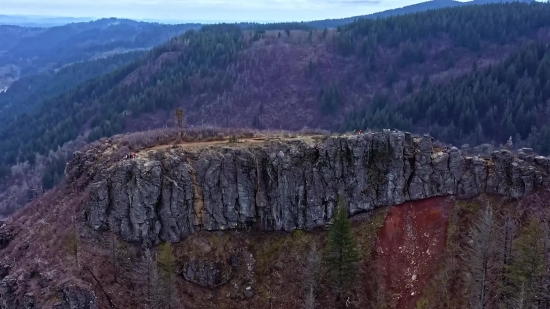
(207, 273)
(166, 195)
(8, 298)
(76, 298)
(6, 236)
(71, 297)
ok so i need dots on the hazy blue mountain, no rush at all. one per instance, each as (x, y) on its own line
(31, 50)
(39, 21)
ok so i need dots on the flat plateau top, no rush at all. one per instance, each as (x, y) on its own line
(241, 142)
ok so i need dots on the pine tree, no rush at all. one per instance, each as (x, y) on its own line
(341, 256)
(391, 77)
(409, 88)
(526, 270)
(425, 81)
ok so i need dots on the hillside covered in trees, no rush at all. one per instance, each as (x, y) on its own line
(25, 94)
(25, 50)
(409, 9)
(508, 99)
(235, 76)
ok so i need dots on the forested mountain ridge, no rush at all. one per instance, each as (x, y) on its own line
(508, 99)
(29, 50)
(24, 51)
(39, 21)
(414, 8)
(25, 94)
(225, 76)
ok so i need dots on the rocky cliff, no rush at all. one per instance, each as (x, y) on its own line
(61, 252)
(168, 193)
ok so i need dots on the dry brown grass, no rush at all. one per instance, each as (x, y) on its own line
(115, 148)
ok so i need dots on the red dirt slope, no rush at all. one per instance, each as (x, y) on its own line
(411, 243)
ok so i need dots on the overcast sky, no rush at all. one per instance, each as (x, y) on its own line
(202, 10)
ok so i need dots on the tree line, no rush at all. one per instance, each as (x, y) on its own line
(465, 26)
(510, 99)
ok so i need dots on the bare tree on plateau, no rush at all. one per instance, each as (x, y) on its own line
(180, 117)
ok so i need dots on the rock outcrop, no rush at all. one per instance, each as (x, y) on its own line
(208, 273)
(8, 300)
(4, 271)
(6, 236)
(71, 297)
(74, 297)
(168, 194)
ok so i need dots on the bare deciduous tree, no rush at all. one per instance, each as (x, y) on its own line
(72, 242)
(477, 259)
(310, 300)
(519, 301)
(313, 261)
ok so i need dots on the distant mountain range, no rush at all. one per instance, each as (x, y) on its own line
(39, 21)
(30, 50)
(45, 21)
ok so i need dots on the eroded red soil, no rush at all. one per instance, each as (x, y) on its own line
(411, 243)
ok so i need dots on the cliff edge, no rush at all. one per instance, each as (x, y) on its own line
(166, 193)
